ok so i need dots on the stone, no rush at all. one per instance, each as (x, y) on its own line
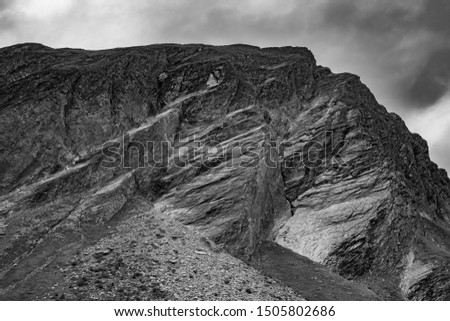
(248, 145)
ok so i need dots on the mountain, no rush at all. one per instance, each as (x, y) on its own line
(210, 172)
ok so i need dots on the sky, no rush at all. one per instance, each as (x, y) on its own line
(399, 48)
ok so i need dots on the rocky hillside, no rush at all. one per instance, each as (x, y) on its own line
(191, 171)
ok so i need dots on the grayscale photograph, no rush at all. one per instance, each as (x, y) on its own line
(251, 150)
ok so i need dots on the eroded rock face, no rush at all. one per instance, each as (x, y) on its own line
(244, 144)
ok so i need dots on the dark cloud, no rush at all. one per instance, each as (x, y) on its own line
(381, 27)
(7, 17)
(379, 20)
(205, 21)
(436, 16)
(431, 82)
(4, 4)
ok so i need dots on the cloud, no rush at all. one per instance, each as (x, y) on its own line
(4, 4)
(430, 82)
(43, 9)
(434, 125)
(6, 15)
(384, 28)
(440, 151)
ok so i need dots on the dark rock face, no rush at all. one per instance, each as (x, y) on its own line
(246, 145)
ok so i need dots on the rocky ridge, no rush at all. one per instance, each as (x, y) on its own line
(248, 145)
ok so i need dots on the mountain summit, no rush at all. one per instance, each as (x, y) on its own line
(210, 172)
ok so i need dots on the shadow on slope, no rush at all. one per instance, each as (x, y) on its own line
(312, 280)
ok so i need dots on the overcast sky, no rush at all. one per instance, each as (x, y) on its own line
(400, 48)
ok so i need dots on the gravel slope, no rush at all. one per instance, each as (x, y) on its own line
(153, 257)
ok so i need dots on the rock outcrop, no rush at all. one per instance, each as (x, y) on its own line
(243, 145)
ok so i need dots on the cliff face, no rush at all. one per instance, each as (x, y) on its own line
(240, 144)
